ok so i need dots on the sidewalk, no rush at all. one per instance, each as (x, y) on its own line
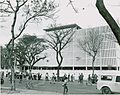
(34, 92)
(27, 92)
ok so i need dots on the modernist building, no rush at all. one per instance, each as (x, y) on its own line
(76, 60)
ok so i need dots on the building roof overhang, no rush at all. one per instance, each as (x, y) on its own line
(63, 27)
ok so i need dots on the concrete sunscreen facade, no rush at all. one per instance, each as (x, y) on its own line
(77, 61)
(108, 55)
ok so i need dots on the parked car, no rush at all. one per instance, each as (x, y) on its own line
(109, 83)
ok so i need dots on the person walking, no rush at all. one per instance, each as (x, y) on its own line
(89, 80)
(68, 77)
(72, 78)
(2, 77)
(20, 77)
(53, 78)
(65, 86)
(47, 77)
(81, 78)
(96, 78)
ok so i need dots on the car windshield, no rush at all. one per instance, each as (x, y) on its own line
(106, 77)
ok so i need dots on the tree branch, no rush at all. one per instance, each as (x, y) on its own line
(38, 60)
(9, 3)
(109, 19)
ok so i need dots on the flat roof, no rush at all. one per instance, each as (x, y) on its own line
(63, 27)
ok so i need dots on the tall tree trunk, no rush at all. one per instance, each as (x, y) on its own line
(58, 73)
(30, 72)
(109, 19)
(13, 65)
(13, 79)
(21, 73)
(59, 59)
(12, 51)
(93, 68)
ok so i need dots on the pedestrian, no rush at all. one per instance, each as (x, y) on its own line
(2, 77)
(39, 76)
(53, 78)
(34, 77)
(72, 78)
(20, 77)
(64, 77)
(47, 77)
(65, 86)
(10, 78)
(68, 77)
(81, 78)
(89, 80)
(96, 78)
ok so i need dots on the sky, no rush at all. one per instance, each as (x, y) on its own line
(87, 16)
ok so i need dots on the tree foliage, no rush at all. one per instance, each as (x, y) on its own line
(27, 10)
(4, 58)
(29, 49)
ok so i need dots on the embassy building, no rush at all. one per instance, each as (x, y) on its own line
(76, 60)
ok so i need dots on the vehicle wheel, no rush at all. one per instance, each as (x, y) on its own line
(106, 90)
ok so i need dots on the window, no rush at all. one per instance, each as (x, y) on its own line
(104, 68)
(67, 68)
(95, 68)
(118, 79)
(106, 77)
(79, 68)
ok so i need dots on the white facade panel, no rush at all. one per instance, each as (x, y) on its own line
(107, 57)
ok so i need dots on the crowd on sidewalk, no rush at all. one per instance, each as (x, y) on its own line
(92, 79)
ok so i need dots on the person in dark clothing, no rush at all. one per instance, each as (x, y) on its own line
(72, 78)
(65, 87)
(89, 80)
(68, 77)
(53, 78)
(2, 81)
(34, 77)
(2, 77)
(81, 78)
(39, 76)
(47, 77)
(20, 77)
(64, 77)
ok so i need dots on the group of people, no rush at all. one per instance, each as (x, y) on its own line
(65, 78)
(70, 78)
(92, 79)
(33, 76)
(22, 76)
(53, 78)
(80, 78)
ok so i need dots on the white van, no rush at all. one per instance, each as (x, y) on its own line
(109, 83)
